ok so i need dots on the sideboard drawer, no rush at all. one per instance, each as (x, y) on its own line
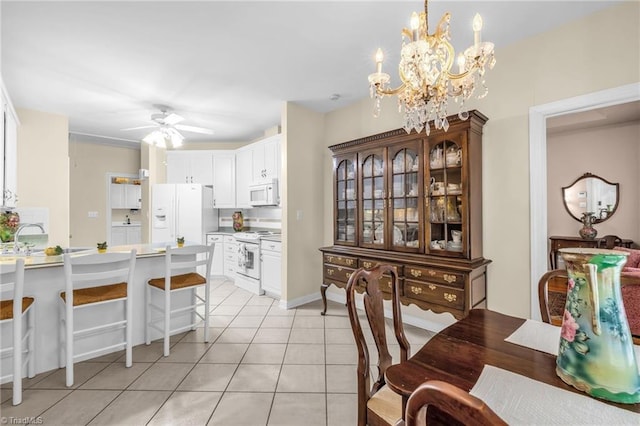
(434, 293)
(560, 244)
(434, 275)
(341, 260)
(338, 273)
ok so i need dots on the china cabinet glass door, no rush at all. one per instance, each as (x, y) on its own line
(372, 168)
(446, 198)
(405, 195)
(345, 190)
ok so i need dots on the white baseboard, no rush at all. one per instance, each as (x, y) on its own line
(289, 304)
(423, 323)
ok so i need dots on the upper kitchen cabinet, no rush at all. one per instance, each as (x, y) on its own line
(266, 159)
(190, 167)
(125, 195)
(224, 179)
(8, 151)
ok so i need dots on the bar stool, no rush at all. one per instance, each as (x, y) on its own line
(92, 280)
(12, 311)
(185, 260)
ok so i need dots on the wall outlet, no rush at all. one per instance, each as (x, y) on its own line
(93, 214)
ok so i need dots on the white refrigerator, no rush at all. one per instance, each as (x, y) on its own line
(182, 210)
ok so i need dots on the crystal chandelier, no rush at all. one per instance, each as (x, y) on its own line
(425, 69)
(164, 134)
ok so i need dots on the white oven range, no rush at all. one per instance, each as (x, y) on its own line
(248, 271)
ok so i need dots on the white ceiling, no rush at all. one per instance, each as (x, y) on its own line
(229, 65)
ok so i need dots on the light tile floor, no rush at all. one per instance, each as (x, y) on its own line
(263, 366)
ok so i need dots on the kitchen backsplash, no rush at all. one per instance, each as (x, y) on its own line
(270, 218)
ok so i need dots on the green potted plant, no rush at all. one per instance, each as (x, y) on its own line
(102, 247)
(180, 241)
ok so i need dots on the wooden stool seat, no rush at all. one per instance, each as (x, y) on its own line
(84, 296)
(6, 307)
(180, 281)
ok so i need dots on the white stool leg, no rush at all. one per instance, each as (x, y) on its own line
(167, 320)
(69, 341)
(31, 342)
(17, 360)
(206, 313)
(128, 331)
(62, 332)
(194, 302)
(147, 310)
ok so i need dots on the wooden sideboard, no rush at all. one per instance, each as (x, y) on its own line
(558, 243)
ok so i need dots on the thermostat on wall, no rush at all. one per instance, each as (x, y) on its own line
(143, 174)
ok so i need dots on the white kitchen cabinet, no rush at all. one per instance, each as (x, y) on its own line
(8, 151)
(230, 256)
(224, 179)
(190, 167)
(125, 196)
(270, 263)
(125, 234)
(266, 159)
(217, 264)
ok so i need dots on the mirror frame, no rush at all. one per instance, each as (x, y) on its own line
(586, 176)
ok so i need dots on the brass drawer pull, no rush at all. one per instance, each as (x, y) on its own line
(449, 278)
(416, 273)
(348, 275)
(330, 259)
(339, 268)
(432, 287)
(329, 271)
(450, 297)
(432, 273)
(415, 290)
(367, 265)
(350, 262)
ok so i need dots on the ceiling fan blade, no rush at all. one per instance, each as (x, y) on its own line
(172, 119)
(138, 128)
(194, 129)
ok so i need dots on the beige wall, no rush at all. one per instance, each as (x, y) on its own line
(90, 164)
(533, 72)
(302, 188)
(43, 168)
(611, 152)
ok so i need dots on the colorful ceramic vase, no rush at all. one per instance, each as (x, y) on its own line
(238, 221)
(588, 232)
(596, 351)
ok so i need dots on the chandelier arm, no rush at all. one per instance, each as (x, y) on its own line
(407, 33)
(438, 33)
(390, 91)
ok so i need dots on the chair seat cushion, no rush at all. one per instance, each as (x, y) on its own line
(103, 293)
(179, 281)
(6, 307)
(386, 405)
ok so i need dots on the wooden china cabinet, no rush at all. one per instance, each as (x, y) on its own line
(414, 201)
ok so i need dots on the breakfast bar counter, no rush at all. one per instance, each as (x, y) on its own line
(44, 280)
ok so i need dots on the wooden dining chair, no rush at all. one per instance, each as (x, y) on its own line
(609, 242)
(458, 404)
(377, 404)
(543, 294)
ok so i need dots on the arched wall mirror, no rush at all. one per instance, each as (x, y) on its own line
(591, 193)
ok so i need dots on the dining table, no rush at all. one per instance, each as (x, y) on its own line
(461, 352)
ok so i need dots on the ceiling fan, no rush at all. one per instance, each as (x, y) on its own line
(167, 126)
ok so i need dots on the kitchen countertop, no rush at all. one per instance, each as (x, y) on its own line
(42, 261)
(274, 237)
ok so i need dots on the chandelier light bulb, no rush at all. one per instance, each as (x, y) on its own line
(460, 62)
(477, 22)
(415, 24)
(379, 59)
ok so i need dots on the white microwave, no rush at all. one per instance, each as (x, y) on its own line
(264, 193)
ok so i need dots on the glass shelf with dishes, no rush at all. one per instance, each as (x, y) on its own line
(345, 204)
(373, 200)
(404, 200)
(445, 198)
